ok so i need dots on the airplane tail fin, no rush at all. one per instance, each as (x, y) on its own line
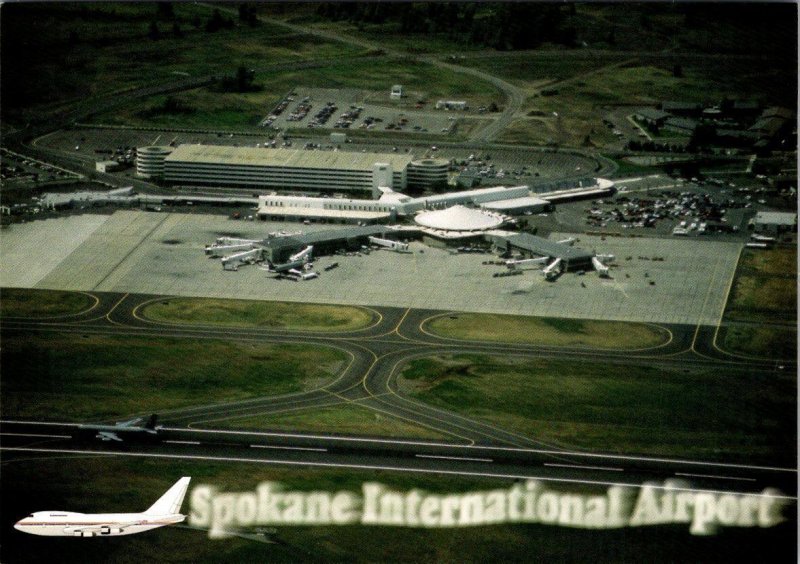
(170, 502)
(151, 422)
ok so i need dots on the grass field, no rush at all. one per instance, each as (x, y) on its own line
(582, 102)
(530, 67)
(778, 261)
(24, 302)
(547, 331)
(88, 377)
(774, 342)
(204, 108)
(246, 313)
(722, 415)
(32, 483)
(765, 286)
(765, 292)
(75, 51)
(342, 419)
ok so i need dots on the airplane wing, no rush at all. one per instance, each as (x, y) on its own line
(108, 436)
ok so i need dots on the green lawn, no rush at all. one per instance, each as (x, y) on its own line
(778, 261)
(765, 286)
(764, 291)
(772, 342)
(547, 331)
(24, 302)
(343, 419)
(88, 377)
(764, 294)
(531, 67)
(247, 313)
(724, 415)
(204, 108)
(74, 51)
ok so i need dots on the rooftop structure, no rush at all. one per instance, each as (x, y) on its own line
(459, 218)
(573, 258)
(150, 160)
(293, 169)
(391, 204)
(652, 115)
(519, 205)
(776, 219)
(425, 173)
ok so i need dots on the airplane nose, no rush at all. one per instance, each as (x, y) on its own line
(18, 525)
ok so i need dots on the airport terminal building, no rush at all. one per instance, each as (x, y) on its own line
(286, 169)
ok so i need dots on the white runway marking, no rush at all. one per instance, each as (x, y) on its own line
(713, 476)
(184, 442)
(459, 458)
(290, 448)
(35, 435)
(584, 467)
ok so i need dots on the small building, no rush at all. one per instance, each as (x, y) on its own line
(468, 179)
(652, 116)
(150, 161)
(737, 137)
(686, 109)
(107, 166)
(775, 222)
(451, 105)
(778, 112)
(744, 108)
(427, 173)
(397, 92)
(684, 126)
(767, 128)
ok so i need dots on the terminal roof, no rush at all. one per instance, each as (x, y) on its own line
(295, 158)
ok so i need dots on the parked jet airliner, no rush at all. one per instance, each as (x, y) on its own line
(165, 511)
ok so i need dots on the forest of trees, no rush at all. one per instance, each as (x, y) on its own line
(501, 26)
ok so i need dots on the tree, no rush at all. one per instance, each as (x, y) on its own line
(154, 33)
(677, 71)
(165, 11)
(176, 29)
(244, 79)
(215, 22)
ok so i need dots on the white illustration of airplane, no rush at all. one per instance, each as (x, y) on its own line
(165, 511)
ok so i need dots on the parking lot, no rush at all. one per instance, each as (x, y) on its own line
(19, 170)
(162, 253)
(348, 110)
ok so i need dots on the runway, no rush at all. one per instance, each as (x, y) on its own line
(362, 453)
(369, 380)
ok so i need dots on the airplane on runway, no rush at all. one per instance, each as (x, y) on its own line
(125, 430)
(165, 511)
